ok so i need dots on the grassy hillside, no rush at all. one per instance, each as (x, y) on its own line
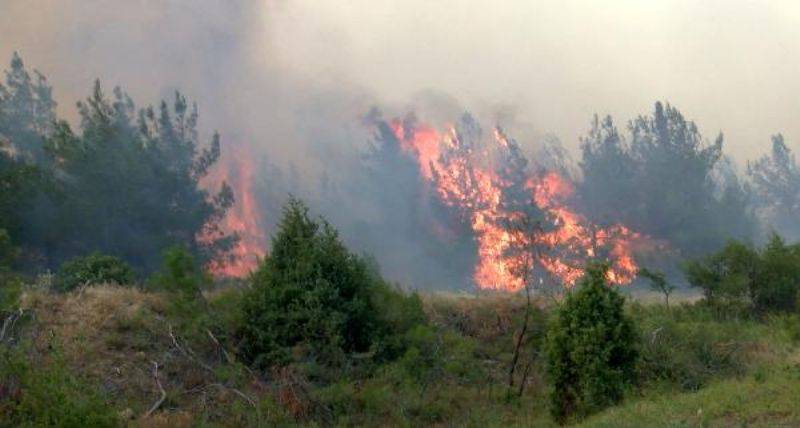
(99, 347)
(765, 398)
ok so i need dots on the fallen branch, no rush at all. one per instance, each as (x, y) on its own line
(187, 352)
(219, 345)
(163, 397)
(232, 360)
(175, 340)
(654, 334)
(237, 392)
(9, 322)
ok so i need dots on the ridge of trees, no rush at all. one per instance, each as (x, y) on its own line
(126, 182)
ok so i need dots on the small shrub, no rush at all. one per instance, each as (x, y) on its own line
(10, 284)
(788, 324)
(398, 313)
(47, 394)
(313, 300)
(768, 278)
(688, 354)
(184, 279)
(10, 292)
(433, 355)
(591, 349)
(96, 268)
(7, 251)
(180, 274)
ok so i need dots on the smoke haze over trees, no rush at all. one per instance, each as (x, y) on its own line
(126, 184)
(660, 181)
(129, 184)
(299, 113)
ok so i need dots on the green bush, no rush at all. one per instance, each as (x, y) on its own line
(180, 274)
(398, 313)
(96, 268)
(313, 300)
(7, 251)
(767, 278)
(591, 349)
(688, 346)
(10, 284)
(184, 279)
(47, 394)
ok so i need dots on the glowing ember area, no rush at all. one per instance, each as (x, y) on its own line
(423, 141)
(495, 191)
(243, 219)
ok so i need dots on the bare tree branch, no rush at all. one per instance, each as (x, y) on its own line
(163, 397)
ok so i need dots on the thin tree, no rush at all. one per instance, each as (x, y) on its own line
(526, 250)
(658, 282)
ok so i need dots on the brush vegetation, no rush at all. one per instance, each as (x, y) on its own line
(317, 338)
(93, 353)
(132, 330)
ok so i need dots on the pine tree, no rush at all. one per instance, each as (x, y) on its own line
(132, 184)
(776, 178)
(591, 349)
(27, 110)
(312, 299)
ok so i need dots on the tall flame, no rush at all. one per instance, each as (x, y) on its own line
(487, 192)
(237, 169)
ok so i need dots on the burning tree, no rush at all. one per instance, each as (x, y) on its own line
(491, 186)
(243, 220)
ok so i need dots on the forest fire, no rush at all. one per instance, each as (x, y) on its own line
(523, 226)
(237, 169)
(524, 229)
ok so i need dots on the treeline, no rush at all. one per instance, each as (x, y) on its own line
(656, 174)
(663, 178)
(124, 183)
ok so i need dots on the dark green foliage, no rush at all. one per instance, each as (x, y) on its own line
(48, 394)
(690, 345)
(767, 278)
(398, 313)
(7, 252)
(181, 274)
(13, 177)
(607, 172)
(27, 110)
(126, 183)
(665, 180)
(184, 279)
(27, 117)
(314, 298)
(776, 178)
(20, 183)
(96, 268)
(591, 349)
(9, 283)
(133, 181)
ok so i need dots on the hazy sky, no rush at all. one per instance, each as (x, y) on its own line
(731, 65)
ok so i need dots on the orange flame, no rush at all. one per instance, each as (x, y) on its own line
(237, 169)
(465, 178)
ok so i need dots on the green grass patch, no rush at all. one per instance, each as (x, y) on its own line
(768, 397)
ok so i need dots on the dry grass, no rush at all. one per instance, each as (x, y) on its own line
(112, 335)
(108, 334)
(484, 317)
